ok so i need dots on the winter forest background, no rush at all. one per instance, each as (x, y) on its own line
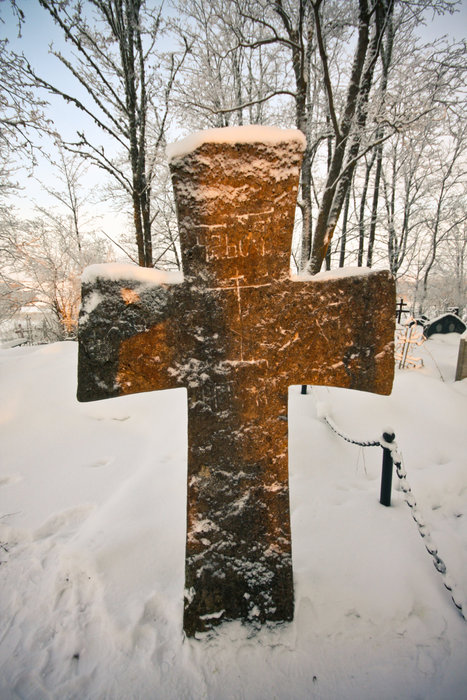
(91, 93)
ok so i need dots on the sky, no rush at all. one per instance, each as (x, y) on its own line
(39, 32)
(454, 26)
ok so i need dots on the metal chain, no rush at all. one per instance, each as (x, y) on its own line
(430, 547)
(362, 443)
(439, 564)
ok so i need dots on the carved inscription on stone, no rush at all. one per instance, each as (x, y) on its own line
(219, 245)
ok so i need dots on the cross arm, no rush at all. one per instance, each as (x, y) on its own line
(337, 329)
(126, 331)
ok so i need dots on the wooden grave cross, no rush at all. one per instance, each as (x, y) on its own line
(400, 309)
(236, 331)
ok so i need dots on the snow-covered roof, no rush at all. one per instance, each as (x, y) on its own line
(445, 323)
(447, 314)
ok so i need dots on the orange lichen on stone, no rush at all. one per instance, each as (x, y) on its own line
(129, 296)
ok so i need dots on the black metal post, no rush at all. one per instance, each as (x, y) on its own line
(386, 474)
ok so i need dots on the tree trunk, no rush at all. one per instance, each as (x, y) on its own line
(386, 58)
(349, 132)
(374, 205)
(361, 218)
(344, 230)
(300, 37)
(323, 229)
(305, 207)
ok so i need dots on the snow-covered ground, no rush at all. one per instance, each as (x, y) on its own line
(92, 528)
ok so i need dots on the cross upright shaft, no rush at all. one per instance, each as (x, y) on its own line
(237, 332)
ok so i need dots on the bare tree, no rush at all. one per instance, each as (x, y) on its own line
(42, 259)
(21, 115)
(13, 294)
(41, 268)
(68, 193)
(348, 129)
(228, 79)
(453, 263)
(113, 60)
(448, 191)
(257, 36)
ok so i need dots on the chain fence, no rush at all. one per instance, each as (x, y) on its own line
(387, 442)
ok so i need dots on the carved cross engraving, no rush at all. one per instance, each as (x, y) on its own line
(236, 332)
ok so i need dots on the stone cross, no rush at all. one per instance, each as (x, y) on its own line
(236, 331)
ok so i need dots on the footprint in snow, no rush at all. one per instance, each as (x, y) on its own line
(29, 686)
(64, 522)
(104, 462)
(10, 479)
(118, 418)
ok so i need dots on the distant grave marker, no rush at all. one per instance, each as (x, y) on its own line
(400, 309)
(461, 368)
(236, 332)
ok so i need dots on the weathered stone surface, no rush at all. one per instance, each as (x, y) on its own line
(236, 332)
(461, 368)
